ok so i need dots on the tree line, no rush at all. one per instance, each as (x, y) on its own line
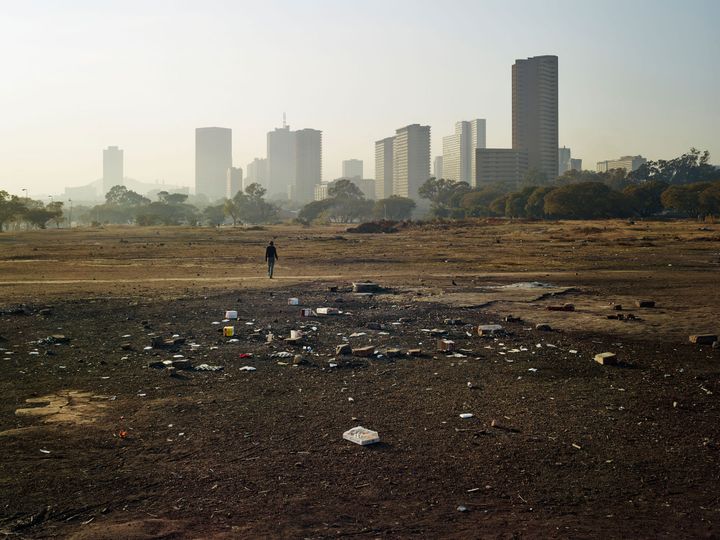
(684, 186)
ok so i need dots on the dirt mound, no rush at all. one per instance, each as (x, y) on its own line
(374, 227)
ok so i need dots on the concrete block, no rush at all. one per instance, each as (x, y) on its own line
(364, 351)
(486, 330)
(703, 339)
(606, 359)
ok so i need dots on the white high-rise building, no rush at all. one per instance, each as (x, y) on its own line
(281, 167)
(308, 164)
(384, 168)
(256, 173)
(411, 160)
(213, 157)
(112, 168)
(438, 167)
(563, 160)
(352, 168)
(458, 161)
(234, 181)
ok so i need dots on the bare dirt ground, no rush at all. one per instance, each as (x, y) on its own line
(97, 444)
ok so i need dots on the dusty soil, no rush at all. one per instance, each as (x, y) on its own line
(97, 444)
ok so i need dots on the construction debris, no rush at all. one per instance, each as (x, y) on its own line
(445, 345)
(365, 287)
(362, 436)
(489, 330)
(364, 351)
(606, 359)
(343, 349)
(703, 339)
(645, 303)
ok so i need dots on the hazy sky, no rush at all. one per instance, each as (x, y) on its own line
(636, 77)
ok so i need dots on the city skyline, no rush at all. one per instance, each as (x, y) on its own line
(74, 93)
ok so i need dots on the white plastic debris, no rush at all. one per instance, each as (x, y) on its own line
(208, 367)
(231, 314)
(357, 334)
(247, 368)
(293, 301)
(362, 436)
(466, 415)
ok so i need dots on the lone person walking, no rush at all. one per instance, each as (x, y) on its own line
(271, 256)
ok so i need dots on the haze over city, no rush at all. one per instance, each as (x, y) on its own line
(635, 78)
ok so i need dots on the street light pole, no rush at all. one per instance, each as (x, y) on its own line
(70, 201)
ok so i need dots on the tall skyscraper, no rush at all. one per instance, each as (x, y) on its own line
(213, 157)
(459, 150)
(352, 168)
(308, 164)
(384, 167)
(281, 167)
(256, 173)
(411, 159)
(438, 167)
(535, 112)
(234, 181)
(112, 168)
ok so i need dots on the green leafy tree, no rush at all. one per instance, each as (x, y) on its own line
(56, 210)
(231, 208)
(214, 215)
(252, 206)
(120, 195)
(691, 167)
(394, 207)
(590, 200)
(684, 198)
(497, 206)
(515, 203)
(476, 203)
(645, 198)
(312, 211)
(11, 208)
(38, 217)
(344, 189)
(709, 199)
(443, 194)
(535, 205)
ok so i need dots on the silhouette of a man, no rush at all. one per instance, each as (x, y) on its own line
(271, 256)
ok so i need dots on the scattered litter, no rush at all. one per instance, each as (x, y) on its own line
(572, 351)
(362, 436)
(282, 354)
(296, 334)
(364, 351)
(231, 314)
(208, 367)
(462, 508)
(358, 334)
(327, 311)
(228, 331)
(245, 368)
(245, 355)
(466, 415)
(293, 301)
(534, 370)
(576, 446)
(44, 451)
